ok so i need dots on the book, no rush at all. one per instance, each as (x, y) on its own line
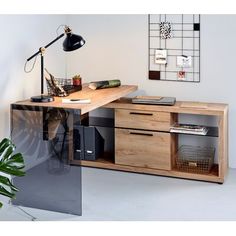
(189, 129)
(104, 84)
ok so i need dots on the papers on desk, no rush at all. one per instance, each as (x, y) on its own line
(76, 101)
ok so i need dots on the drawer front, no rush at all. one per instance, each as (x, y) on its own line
(142, 148)
(137, 119)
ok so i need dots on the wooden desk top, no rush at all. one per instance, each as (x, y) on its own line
(198, 108)
(98, 98)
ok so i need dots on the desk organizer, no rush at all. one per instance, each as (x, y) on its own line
(66, 84)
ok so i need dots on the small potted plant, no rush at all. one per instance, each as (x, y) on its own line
(77, 80)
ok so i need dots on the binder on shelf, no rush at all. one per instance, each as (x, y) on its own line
(78, 137)
(88, 143)
(93, 143)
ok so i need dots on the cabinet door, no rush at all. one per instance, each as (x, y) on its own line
(143, 148)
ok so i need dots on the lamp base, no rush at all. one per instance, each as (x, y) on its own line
(42, 98)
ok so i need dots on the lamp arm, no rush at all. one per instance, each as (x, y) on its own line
(49, 44)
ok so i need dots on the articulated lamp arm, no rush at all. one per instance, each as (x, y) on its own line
(71, 43)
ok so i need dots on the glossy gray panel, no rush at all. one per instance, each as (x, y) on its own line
(45, 138)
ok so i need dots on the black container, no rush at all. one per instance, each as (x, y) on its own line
(88, 143)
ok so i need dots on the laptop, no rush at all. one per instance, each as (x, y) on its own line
(152, 100)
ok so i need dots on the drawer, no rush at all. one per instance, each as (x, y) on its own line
(138, 119)
(143, 148)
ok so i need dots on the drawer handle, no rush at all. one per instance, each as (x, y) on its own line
(135, 133)
(140, 113)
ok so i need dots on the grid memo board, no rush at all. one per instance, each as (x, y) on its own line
(174, 47)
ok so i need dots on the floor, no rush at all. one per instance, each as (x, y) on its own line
(114, 195)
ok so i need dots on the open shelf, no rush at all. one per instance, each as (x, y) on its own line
(107, 162)
(101, 122)
(106, 158)
(98, 121)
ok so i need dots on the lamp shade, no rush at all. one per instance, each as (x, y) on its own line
(72, 42)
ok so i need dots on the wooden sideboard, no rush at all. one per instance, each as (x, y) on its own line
(143, 143)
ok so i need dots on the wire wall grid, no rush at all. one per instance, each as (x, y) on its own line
(174, 47)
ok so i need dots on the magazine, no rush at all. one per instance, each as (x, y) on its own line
(189, 129)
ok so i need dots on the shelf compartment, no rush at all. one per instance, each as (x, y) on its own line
(98, 121)
(101, 122)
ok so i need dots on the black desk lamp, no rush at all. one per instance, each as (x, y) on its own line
(71, 43)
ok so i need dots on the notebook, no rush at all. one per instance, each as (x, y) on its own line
(168, 101)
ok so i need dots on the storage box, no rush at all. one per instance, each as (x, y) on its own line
(195, 159)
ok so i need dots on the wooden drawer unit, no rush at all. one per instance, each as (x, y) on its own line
(137, 119)
(143, 148)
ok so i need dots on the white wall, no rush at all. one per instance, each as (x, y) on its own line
(116, 47)
(21, 36)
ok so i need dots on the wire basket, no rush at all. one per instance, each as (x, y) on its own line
(195, 159)
(62, 82)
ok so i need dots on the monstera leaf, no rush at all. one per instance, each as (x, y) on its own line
(11, 164)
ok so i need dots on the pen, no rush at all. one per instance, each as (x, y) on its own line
(74, 100)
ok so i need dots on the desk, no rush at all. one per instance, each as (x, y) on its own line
(43, 132)
(98, 98)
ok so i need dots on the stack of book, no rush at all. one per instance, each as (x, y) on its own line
(189, 129)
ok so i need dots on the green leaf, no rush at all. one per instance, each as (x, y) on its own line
(12, 164)
(15, 165)
(5, 140)
(3, 148)
(4, 144)
(12, 170)
(8, 152)
(17, 158)
(5, 181)
(6, 193)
